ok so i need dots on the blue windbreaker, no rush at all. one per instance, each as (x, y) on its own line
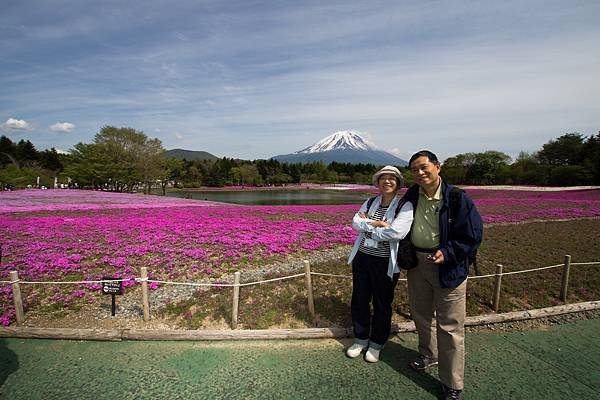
(460, 235)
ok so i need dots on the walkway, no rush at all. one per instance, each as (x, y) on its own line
(561, 362)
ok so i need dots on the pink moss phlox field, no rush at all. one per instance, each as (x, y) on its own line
(53, 200)
(512, 206)
(45, 239)
(86, 235)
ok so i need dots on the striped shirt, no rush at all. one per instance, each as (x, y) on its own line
(383, 248)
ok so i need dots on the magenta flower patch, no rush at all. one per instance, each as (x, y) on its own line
(85, 235)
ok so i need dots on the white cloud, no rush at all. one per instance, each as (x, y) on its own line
(181, 36)
(169, 69)
(270, 80)
(368, 137)
(231, 88)
(402, 153)
(65, 127)
(13, 124)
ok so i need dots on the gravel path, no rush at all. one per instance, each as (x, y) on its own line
(129, 310)
(294, 265)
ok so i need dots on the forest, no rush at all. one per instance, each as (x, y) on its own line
(126, 160)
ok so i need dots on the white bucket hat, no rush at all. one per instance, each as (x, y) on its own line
(389, 169)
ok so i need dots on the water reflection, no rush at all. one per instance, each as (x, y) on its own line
(277, 197)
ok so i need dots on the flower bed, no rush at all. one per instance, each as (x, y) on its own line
(76, 235)
(517, 206)
(55, 200)
(85, 235)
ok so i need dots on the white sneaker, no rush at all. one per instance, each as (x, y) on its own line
(372, 355)
(354, 350)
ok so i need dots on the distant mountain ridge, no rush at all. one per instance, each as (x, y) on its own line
(190, 155)
(344, 147)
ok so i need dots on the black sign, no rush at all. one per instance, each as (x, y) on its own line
(113, 287)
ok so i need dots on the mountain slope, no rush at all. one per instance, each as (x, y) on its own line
(342, 140)
(189, 155)
(344, 147)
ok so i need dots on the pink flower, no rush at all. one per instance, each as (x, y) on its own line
(70, 235)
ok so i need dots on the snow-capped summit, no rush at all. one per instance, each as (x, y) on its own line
(343, 147)
(341, 140)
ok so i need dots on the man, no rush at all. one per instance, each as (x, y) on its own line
(446, 231)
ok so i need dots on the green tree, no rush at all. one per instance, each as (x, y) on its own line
(152, 162)
(527, 170)
(7, 152)
(50, 160)
(26, 153)
(119, 159)
(566, 150)
(571, 160)
(362, 178)
(268, 169)
(218, 173)
(174, 171)
(235, 175)
(456, 169)
(250, 175)
(22, 177)
(194, 177)
(281, 179)
(570, 175)
(89, 167)
(591, 157)
(489, 168)
(294, 170)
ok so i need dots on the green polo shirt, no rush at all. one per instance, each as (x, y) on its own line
(426, 226)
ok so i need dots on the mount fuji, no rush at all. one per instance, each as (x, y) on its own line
(343, 147)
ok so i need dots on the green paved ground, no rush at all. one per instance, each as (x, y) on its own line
(560, 363)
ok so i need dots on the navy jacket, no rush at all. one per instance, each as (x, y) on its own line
(460, 235)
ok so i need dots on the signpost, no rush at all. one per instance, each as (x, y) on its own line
(113, 288)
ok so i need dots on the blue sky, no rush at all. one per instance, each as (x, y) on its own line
(254, 79)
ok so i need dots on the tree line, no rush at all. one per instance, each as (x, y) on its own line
(126, 160)
(571, 159)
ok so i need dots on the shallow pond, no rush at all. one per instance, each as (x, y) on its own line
(276, 197)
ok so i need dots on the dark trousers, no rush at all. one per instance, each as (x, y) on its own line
(370, 283)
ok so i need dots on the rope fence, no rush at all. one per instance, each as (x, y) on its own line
(144, 280)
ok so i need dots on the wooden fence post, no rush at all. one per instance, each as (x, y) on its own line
(16, 291)
(309, 291)
(144, 272)
(565, 278)
(236, 300)
(497, 287)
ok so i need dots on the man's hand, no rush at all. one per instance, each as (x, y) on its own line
(437, 257)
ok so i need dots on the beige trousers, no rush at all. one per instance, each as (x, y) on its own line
(439, 315)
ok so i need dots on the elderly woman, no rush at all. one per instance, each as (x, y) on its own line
(382, 222)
